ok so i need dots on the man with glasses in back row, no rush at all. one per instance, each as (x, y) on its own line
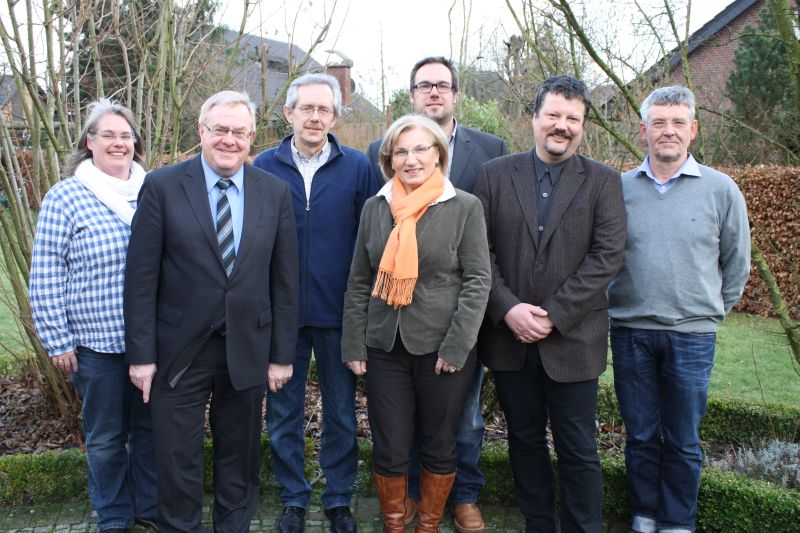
(329, 183)
(434, 92)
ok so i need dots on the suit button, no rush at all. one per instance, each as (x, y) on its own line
(541, 228)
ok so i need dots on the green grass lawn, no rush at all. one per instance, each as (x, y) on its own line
(10, 334)
(752, 362)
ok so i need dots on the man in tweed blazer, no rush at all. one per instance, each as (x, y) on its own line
(556, 226)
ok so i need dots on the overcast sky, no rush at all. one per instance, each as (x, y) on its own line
(408, 30)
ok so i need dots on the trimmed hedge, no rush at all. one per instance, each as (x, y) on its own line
(41, 478)
(727, 420)
(728, 502)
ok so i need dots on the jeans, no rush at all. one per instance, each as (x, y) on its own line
(119, 440)
(661, 379)
(285, 409)
(469, 442)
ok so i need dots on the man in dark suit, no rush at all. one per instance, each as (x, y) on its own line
(556, 224)
(434, 92)
(211, 310)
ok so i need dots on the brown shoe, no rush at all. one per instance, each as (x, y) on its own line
(411, 511)
(467, 518)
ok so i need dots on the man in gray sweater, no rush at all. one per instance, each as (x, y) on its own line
(687, 259)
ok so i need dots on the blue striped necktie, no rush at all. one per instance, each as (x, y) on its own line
(225, 227)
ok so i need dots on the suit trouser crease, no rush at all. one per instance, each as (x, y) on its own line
(529, 399)
(235, 421)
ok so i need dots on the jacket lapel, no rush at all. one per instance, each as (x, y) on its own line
(523, 176)
(194, 185)
(253, 204)
(462, 150)
(571, 180)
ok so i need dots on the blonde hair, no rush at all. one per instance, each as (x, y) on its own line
(404, 124)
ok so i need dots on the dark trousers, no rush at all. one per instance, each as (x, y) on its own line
(400, 386)
(528, 398)
(178, 424)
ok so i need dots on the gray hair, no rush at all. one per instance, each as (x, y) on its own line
(404, 124)
(315, 79)
(94, 113)
(227, 98)
(672, 95)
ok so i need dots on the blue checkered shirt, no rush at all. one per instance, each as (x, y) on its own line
(78, 272)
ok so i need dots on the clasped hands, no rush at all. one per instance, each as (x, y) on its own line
(529, 323)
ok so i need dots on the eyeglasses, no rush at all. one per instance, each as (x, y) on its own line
(219, 132)
(661, 125)
(110, 136)
(419, 151)
(308, 111)
(425, 87)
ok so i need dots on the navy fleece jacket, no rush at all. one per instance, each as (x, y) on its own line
(326, 226)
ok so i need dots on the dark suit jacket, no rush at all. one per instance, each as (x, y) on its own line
(472, 149)
(176, 290)
(565, 269)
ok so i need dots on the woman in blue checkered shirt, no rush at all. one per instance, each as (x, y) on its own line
(76, 285)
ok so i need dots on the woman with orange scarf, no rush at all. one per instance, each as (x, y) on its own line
(415, 299)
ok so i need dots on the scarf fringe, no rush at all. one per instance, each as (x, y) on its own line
(395, 292)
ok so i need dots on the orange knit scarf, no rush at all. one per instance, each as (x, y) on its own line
(399, 268)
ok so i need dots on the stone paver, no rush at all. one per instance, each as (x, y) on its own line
(77, 517)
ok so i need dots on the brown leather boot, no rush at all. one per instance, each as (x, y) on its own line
(433, 492)
(392, 495)
(411, 510)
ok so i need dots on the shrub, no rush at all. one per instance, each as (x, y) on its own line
(36, 478)
(777, 462)
(727, 420)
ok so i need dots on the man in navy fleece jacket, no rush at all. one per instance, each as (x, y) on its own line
(329, 184)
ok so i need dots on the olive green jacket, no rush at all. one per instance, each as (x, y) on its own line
(452, 289)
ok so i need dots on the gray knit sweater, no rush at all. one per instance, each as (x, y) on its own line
(687, 256)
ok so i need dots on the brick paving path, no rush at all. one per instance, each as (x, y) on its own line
(75, 517)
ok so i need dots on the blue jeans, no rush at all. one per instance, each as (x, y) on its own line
(661, 379)
(338, 456)
(119, 440)
(469, 442)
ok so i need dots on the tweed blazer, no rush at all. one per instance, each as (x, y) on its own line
(565, 268)
(449, 298)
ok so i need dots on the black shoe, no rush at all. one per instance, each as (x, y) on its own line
(114, 530)
(146, 522)
(293, 520)
(342, 520)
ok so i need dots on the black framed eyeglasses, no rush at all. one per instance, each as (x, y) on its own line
(425, 87)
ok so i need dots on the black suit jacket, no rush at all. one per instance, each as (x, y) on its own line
(176, 290)
(565, 269)
(472, 149)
